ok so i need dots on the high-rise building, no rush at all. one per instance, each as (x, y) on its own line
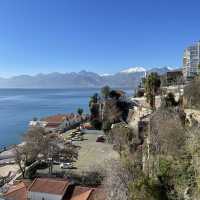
(191, 61)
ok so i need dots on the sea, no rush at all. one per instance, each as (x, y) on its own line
(19, 106)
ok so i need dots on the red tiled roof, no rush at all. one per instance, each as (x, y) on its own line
(79, 193)
(51, 186)
(98, 194)
(58, 119)
(55, 118)
(52, 125)
(54, 186)
(17, 192)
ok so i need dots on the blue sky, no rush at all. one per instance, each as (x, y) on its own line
(104, 36)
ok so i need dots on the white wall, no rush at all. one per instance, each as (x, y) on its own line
(43, 196)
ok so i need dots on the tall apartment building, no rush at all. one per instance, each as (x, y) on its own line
(191, 61)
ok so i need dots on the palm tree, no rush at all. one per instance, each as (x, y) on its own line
(93, 99)
(94, 105)
(105, 91)
(152, 84)
(80, 111)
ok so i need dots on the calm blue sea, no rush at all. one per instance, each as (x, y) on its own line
(19, 106)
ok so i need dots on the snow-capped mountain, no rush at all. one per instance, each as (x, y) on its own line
(106, 74)
(133, 70)
(128, 78)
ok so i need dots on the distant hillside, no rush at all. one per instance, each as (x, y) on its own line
(128, 78)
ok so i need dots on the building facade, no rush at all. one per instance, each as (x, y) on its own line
(52, 189)
(191, 61)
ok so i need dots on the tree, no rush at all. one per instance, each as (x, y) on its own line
(191, 94)
(68, 152)
(80, 111)
(35, 142)
(111, 111)
(94, 99)
(122, 137)
(152, 84)
(105, 91)
(94, 106)
(38, 145)
(120, 174)
(21, 159)
(193, 146)
(167, 134)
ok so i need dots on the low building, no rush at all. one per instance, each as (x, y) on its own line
(174, 77)
(52, 189)
(17, 191)
(38, 123)
(58, 122)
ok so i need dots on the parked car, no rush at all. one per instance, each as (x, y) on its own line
(100, 138)
(55, 162)
(66, 165)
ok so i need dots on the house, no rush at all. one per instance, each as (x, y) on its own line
(58, 122)
(37, 123)
(17, 191)
(47, 189)
(80, 193)
(52, 189)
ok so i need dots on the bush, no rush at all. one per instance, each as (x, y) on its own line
(169, 100)
(167, 132)
(91, 178)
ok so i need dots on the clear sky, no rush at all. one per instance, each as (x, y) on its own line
(103, 36)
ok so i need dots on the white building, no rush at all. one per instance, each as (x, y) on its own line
(191, 61)
(57, 122)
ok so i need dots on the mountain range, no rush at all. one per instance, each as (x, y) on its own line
(128, 78)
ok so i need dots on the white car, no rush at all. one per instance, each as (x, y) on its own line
(66, 165)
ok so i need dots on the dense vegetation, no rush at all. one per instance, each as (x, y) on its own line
(166, 165)
(192, 94)
(40, 149)
(107, 108)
